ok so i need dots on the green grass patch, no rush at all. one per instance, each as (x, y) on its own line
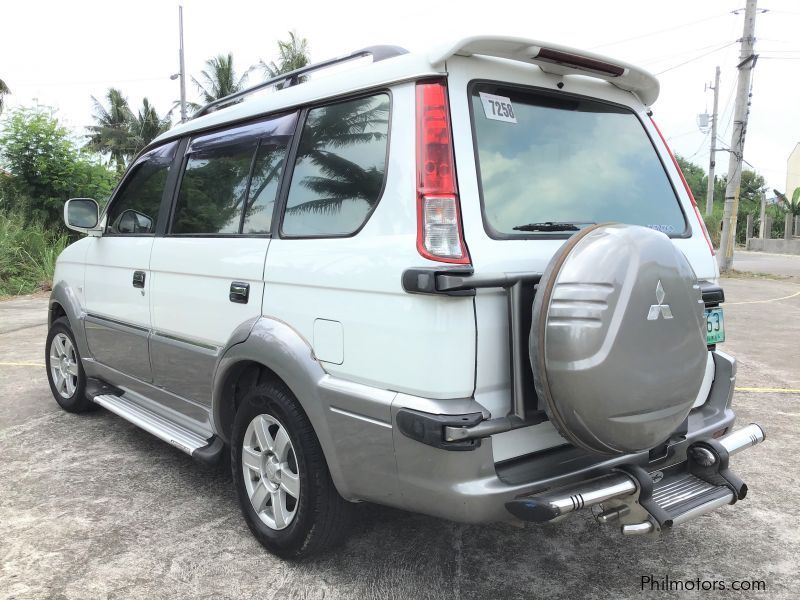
(28, 253)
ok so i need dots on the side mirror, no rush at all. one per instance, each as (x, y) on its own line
(81, 214)
(132, 221)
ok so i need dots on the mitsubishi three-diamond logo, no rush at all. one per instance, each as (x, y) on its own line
(660, 309)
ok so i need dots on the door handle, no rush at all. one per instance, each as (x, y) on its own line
(240, 292)
(138, 279)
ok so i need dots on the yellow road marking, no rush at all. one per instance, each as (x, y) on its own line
(21, 364)
(762, 301)
(764, 390)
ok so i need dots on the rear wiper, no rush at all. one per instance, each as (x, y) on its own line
(550, 226)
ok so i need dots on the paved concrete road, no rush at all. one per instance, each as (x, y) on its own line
(787, 265)
(91, 507)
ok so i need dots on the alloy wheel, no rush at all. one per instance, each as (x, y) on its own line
(64, 365)
(271, 473)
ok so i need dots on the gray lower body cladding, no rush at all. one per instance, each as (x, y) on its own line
(470, 487)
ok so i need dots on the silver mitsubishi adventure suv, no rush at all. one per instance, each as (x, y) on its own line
(469, 282)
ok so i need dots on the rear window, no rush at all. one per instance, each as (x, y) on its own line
(550, 163)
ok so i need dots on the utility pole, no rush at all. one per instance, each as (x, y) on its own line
(747, 61)
(183, 66)
(711, 160)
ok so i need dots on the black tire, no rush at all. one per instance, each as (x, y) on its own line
(322, 516)
(77, 402)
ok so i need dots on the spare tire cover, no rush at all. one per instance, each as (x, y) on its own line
(617, 343)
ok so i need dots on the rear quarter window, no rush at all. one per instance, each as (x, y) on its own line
(340, 167)
(567, 160)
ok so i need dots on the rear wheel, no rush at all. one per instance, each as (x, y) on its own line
(282, 480)
(64, 369)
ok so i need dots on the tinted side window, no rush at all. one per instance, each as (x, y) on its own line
(341, 162)
(212, 190)
(134, 209)
(264, 187)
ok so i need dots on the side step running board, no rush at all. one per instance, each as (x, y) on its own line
(196, 446)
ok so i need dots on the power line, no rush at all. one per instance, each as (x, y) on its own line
(686, 62)
(729, 119)
(106, 82)
(657, 59)
(702, 145)
(652, 33)
(679, 135)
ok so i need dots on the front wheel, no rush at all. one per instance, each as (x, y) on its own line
(282, 480)
(64, 369)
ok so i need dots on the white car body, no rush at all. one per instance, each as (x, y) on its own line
(372, 348)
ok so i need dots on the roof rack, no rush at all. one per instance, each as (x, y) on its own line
(291, 78)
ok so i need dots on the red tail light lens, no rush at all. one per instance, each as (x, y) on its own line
(440, 235)
(688, 190)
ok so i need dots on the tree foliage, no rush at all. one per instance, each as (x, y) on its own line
(292, 55)
(146, 125)
(120, 133)
(110, 134)
(750, 191)
(790, 205)
(218, 79)
(47, 167)
(4, 91)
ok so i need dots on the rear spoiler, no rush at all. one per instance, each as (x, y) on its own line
(557, 60)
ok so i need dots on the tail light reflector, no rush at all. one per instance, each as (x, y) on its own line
(440, 236)
(688, 190)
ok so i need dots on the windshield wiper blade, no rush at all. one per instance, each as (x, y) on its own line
(550, 226)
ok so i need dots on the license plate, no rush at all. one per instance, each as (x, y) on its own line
(715, 326)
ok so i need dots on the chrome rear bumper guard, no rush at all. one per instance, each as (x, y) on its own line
(641, 502)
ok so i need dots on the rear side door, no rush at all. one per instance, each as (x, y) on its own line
(117, 283)
(207, 270)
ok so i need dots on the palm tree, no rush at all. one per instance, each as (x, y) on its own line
(111, 134)
(4, 91)
(293, 54)
(791, 206)
(146, 126)
(218, 80)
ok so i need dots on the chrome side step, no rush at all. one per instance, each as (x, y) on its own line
(164, 429)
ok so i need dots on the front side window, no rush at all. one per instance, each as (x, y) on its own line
(231, 179)
(553, 163)
(264, 187)
(213, 188)
(134, 210)
(340, 166)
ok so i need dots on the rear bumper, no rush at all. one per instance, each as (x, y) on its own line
(469, 487)
(646, 502)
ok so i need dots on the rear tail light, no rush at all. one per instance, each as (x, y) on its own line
(688, 190)
(440, 236)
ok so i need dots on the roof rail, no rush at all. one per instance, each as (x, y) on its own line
(291, 78)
